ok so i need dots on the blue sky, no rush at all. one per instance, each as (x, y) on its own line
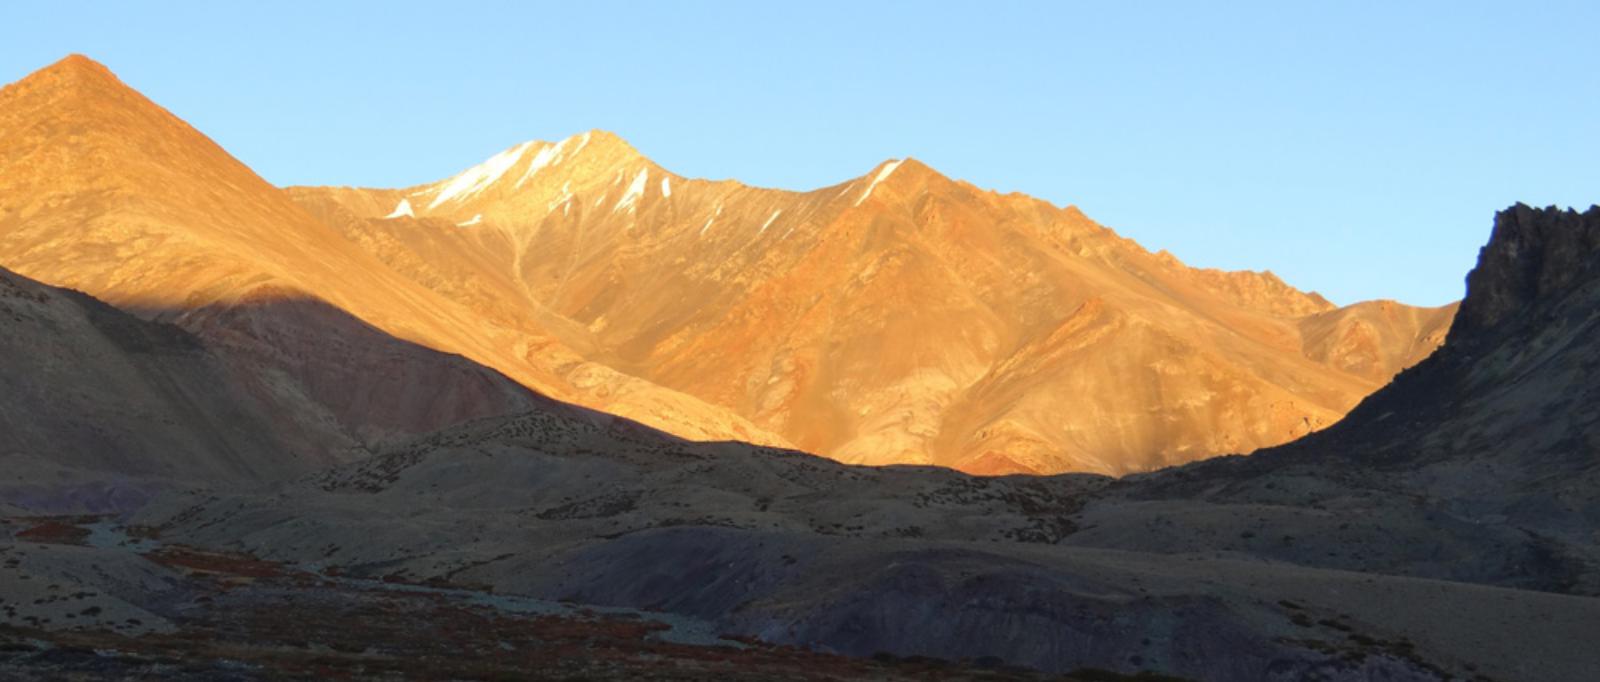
(1355, 148)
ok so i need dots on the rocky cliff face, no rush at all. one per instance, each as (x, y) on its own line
(1534, 259)
(1521, 346)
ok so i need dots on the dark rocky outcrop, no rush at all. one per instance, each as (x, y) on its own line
(1534, 258)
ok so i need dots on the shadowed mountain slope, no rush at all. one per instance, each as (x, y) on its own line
(97, 406)
(101, 407)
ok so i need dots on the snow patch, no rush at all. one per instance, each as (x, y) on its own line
(666, 187)
(710, 220)
(770, 219)
(473, 221)
(882, 175)
(548, 156)
(630, 198)
(402, 209)
(564, 200)
(479, 177)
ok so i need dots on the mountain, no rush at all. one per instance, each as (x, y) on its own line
(901, 317)
(105, 192)
(882, 320)
(317, 416)
(1443, 530)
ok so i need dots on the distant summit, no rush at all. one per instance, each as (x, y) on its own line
(898, 317)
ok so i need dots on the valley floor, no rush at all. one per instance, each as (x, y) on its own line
(84, 600)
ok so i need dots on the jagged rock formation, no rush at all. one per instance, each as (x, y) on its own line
(1535, 259)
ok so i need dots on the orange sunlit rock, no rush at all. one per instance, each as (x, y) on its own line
(899, 317)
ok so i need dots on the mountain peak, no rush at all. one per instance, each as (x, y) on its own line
(577, 162)
(898, 174)
(72, 72)
(901, 166)
(79, 98)
(78, 61)
(600, 150)
(605, 139)
(77, 108)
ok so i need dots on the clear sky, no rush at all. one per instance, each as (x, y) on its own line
(1355, 148)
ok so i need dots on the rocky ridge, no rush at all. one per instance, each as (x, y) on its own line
(883, 320)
